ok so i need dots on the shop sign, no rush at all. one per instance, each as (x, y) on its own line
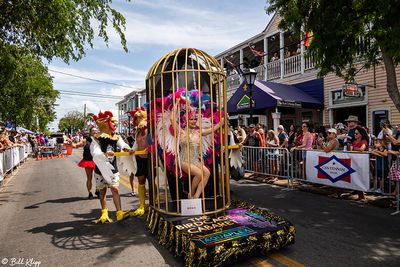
(347, 95)
(244, 103)
(288, 103)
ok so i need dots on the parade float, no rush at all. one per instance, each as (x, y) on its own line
(191, 211)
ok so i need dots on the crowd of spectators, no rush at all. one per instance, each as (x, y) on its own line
(10, 138)
(347, 136)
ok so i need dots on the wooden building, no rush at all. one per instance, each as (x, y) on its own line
(289, 63)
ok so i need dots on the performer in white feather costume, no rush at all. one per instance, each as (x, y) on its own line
(106, 172)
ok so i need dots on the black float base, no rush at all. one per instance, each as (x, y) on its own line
(217, 239)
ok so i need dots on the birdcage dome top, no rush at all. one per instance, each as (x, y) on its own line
(186, 59)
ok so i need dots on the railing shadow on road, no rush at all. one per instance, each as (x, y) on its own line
(59, 201)
(84, 234)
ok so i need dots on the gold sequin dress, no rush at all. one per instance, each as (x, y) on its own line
(194, 148)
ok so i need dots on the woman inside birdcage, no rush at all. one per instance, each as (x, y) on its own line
(194, 140)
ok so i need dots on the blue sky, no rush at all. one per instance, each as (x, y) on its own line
(153, 28)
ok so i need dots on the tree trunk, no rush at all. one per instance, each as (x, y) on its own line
(391, 80)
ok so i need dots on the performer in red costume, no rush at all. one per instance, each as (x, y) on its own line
(87, 161)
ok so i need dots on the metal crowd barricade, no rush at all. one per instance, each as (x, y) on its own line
(11, 158)
(1, 167)
(379, 182)
(297, 166)
(270, 161)
(279, 162)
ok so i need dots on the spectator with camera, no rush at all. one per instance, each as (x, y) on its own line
(386, 130)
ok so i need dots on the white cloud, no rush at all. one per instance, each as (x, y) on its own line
(171, 24)
(138, 73)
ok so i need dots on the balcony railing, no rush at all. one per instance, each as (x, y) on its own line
(291, 66)
(233, 81)
(274, 70)
(309, 62)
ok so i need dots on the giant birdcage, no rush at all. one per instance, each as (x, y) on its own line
(186, 91)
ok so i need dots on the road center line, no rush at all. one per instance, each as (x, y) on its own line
(285, 260)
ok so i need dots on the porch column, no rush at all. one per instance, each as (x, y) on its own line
(241, 63)
(265, 58)
(276, 117)
(222, 63)
(282, 52)
(302, 59)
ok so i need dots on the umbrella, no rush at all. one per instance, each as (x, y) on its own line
(20, 129)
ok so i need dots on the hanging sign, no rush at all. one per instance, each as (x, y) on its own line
(288, 103)
(191, 207)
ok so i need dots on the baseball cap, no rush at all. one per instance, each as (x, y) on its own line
(332, 130)
(252, 126)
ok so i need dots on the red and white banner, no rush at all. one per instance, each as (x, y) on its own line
(338, 169)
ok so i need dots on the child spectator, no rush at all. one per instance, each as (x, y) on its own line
(381, 164)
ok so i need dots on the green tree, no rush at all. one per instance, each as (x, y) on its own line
(26, 88)
(58, 28)
(72, 120)
(31, 30)
(89, 118)
(337, 28)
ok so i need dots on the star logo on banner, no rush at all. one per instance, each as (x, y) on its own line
(334, 169)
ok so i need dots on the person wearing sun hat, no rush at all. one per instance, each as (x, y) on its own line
(352, 123)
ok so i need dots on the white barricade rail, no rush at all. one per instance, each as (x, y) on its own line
(7, 161)
(21, 152)
(12, 157)
(347, 170)
(267, 160)
(1, 167)
(360, 171)
(15, 156)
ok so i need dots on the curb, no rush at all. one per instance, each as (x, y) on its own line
(373, 200)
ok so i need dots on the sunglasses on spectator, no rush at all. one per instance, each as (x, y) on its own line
(304, 126)
(356, 133)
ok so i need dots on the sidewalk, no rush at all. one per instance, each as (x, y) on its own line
(372, 199)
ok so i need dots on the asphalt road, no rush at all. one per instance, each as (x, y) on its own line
(46, 218)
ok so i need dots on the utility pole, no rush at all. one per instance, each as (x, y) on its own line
(84, 115)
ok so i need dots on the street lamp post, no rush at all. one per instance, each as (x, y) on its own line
(250, 77)
(129, 123)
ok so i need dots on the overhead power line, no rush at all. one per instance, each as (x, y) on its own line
(75, 93)
(90, 79)
(91, 94)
